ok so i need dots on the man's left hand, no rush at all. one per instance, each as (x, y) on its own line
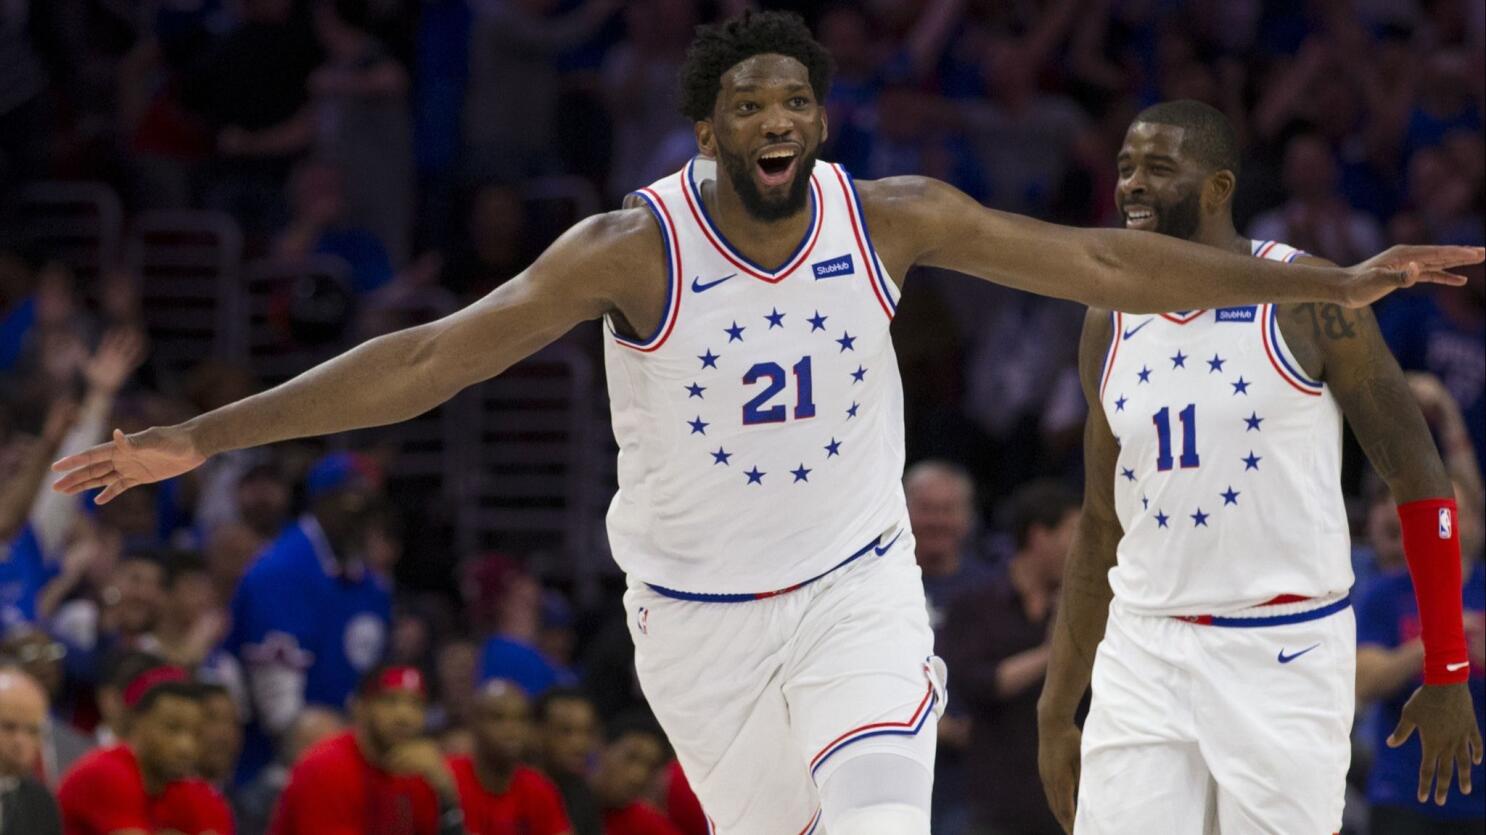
(1446, 721)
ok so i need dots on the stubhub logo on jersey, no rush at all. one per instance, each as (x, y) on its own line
(1237, 314)
(833, 267)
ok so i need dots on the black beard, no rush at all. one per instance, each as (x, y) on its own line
(1180, 219)
(759, 207)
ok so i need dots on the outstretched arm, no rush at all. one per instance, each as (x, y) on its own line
(597, 266)
(918, 220)
(1084, 609)
(1384, 415)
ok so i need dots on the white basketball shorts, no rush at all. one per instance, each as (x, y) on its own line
(1238, 726)
(763, 699)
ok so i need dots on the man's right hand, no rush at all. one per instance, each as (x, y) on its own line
(1058, 744)
(128, 461)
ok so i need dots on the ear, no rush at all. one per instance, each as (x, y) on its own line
(1218, 190)
(825, 126)
(706, 139)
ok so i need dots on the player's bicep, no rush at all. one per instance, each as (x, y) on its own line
(579, 278)
(1101, 451)
(1375, 397)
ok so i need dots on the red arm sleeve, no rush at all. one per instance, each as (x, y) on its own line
(1431, 545)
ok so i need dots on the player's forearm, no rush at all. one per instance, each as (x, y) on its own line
(1139, 272)
(1083, 613)
(386, 380)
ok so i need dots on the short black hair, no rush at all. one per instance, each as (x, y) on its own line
(126, 665)
(1207, 134)
(637, 722)
(719, 47)
(188, 690)
(1040, 503)
(543, 707)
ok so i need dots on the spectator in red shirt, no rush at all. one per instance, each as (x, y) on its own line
(501, 796)
(626, 772)
(682, 806)
(568, 738)
(144, 785)
(380, 778)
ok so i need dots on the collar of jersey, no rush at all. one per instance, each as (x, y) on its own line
(743, 263)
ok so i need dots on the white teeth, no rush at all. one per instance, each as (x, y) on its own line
(781, 153)
(1139, 214)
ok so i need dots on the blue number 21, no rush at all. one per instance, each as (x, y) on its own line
(1162, 419)
(804, 400)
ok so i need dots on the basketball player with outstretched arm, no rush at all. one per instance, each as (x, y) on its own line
(1224, 675)
(779, 621)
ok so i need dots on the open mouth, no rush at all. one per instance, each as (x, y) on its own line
(1140, 217)
(776, 166)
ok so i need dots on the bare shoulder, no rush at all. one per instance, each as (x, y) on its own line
(907, 195)
(910, 216)
(631, 235)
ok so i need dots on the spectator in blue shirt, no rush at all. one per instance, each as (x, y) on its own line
(310, 617)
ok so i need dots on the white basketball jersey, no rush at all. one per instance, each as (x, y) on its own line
(1228, 484)
(760, 426)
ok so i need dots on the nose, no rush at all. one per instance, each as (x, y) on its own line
(1133, 185)
(777, 125)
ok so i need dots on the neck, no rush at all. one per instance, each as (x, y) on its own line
(1219, 232)
(766, 242)
(495, 776)
(154, 781)
(368, 750)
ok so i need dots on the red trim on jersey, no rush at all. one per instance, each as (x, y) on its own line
(866, 253)
(1285, 598)
(1274, 361)
(678, 279)
(810, 825)
(1114, 350)
(1182, 320)
(1266, 249)
(779, 274)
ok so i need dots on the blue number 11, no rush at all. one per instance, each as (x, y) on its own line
(1162, 419)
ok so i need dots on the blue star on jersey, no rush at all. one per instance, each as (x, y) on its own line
(833, 448)
(852, 412)
(1127, 473)
(698, 426)
(709, 359)
(755, 476)
(695, 391)
(1161, 518)
(1215, 364)
(735, 333)
(858, 374)
(776, 319)
(1253, 420)
(801, 473)
(1120, 404)
(847, 342)
(1180, 360)
(1240, 387)
(1144, 374)
(1230, 496)
(1199, 519)
(1252, 462)
(817, 322)
(721, 456)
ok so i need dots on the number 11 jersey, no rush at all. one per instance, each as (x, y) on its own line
(1228, 483)
(760, 426)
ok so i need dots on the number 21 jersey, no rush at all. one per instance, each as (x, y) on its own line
(760, 426)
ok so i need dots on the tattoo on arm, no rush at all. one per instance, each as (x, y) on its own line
(1331, 321)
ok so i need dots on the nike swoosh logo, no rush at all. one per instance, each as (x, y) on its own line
(882, 549)
(1131, 332)
(1461, 666)
(1286, 659)
(698, 287)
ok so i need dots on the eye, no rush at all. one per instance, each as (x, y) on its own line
(1126, 171)
(747, 106)
(1161, 170)
(799, 101)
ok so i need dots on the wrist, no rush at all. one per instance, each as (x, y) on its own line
(1055, 711)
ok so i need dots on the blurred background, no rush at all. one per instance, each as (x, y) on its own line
(201, 198)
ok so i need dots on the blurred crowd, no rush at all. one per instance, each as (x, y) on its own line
(300, 599)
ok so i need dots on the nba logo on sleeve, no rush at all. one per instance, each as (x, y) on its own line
(833, 267)
(1445, 523)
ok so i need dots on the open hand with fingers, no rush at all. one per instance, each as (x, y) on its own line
(1448, 736)
(1405, 266)
(128, 461)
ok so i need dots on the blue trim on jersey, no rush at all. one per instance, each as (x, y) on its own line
(913, 731)
(691, 180)
(1274, 339)
(665, 239)
(1282, 620)
(876, 265)
(706, 597)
